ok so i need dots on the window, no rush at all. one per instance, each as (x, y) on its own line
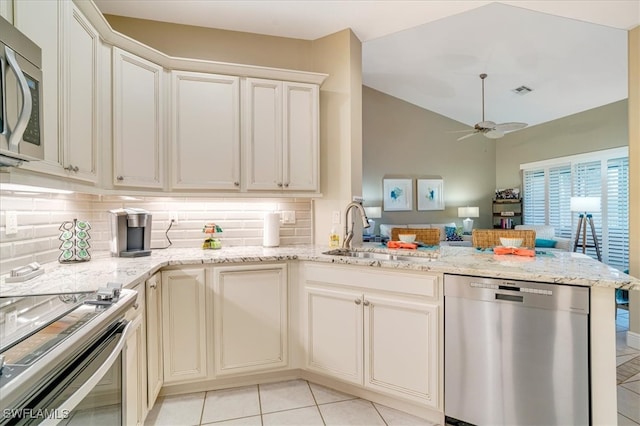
(549, 185)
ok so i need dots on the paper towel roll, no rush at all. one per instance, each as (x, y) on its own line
(271, 233)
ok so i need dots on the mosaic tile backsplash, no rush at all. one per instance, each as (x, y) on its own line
(40, 215)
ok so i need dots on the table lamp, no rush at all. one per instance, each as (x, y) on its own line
(372, 213)
(468, 212)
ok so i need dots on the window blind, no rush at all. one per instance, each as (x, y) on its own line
(549, 185)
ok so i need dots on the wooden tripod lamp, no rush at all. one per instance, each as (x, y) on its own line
(585, 206)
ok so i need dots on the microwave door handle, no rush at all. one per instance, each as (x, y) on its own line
(25, 113)
(84, 390)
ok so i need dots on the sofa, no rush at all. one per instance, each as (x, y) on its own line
(546, 237)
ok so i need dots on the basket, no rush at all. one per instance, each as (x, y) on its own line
(489, 238)
(426, 236)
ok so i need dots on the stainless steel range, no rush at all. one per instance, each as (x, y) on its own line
(60, 357)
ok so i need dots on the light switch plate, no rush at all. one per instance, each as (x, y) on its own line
(11, 223)
(335, 217)
(288, 217)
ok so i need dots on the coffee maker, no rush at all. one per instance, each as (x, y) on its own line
(130, 232)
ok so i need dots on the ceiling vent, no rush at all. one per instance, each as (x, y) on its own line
(522, 90)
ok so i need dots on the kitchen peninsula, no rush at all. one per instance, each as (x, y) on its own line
(281, 287)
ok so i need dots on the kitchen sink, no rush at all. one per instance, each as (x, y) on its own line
(378, 256)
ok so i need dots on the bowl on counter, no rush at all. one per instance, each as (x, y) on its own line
(510, 242)
(407, 238)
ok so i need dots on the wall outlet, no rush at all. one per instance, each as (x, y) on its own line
(11, 322)
(288, 217)
(335, 217)
(11, 223)
(173, 216)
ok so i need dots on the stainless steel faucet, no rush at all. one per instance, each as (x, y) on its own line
(348, 234)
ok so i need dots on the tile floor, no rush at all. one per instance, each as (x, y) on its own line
(298, 402)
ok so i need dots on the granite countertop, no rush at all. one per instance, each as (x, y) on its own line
(554, 267)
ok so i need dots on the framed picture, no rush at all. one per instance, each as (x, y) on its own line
(398, 194)
(430, 194)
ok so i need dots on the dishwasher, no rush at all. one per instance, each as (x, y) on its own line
(516, 352)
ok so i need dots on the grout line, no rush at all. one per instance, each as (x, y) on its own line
(381, 416)
(202, 409)
(316, 402)
(631, 420)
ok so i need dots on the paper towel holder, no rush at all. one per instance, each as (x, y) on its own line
(271, 230)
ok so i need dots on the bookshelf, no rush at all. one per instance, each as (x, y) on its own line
(507, 213)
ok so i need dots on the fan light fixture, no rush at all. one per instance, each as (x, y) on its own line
(490, 129)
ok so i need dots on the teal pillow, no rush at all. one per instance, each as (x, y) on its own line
(540, 242)
(452, 233)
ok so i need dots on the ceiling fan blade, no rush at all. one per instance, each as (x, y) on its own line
(461, 131)
(485, 125)
(494, 134)
(467, 136)
(507, 127)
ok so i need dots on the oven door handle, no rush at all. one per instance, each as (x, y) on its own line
(91, 383)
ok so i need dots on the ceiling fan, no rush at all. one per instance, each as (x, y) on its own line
(490, 129)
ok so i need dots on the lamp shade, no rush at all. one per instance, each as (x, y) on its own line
(585, 204)
(468, 212)
(373, 212)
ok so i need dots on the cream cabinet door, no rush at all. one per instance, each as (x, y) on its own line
(137, 121)
(250, 318)
(334, 332)
(154, 366)
(184, 336)
(301, 137)
(206, 131)
(401, 347)
(80, 92)
(135, 407)
(262, 138)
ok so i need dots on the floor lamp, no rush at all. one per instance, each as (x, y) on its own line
(585, 205)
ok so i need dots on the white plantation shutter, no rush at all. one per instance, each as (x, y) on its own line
(617, 226)
(534, 199)
(559, 200)
(549, 185)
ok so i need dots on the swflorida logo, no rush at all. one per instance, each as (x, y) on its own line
(29, 413)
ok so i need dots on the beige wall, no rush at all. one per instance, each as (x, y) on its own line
(403, 140)
(593, 130)
(186, 41)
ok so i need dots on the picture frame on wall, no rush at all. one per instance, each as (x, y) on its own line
(430, 193)
(398, 194)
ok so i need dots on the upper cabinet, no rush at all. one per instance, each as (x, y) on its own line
(280, 135)
(137, 121)
(205, 131)
(69, 46)
(80, 92)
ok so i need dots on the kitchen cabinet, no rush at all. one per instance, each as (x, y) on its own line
(379, 330)
(206, 131)
(153, 309)
(80, 86)
(250, 318)
(69, 46)
(6, 10)
(135, 363)
(280, 135)
(184, 325)
(138, 136)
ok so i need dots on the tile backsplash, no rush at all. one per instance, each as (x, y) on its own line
(40, 215)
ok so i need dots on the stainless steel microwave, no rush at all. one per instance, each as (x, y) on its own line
(21, 136)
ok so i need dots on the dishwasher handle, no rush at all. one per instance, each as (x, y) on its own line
(509, 297)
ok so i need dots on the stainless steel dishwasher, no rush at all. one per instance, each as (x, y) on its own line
(516, 352)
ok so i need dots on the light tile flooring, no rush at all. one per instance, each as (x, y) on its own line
(299, 403)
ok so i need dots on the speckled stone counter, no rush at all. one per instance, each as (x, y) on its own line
(552, 267)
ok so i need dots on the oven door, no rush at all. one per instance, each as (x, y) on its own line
(86, 389)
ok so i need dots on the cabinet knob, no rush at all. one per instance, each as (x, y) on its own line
(136, 306)
(358, 301)
(120, 178)
(71, 168)
(279, 184)
(236, 183)
(366, 303)
(286, 185)
(153, 285)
